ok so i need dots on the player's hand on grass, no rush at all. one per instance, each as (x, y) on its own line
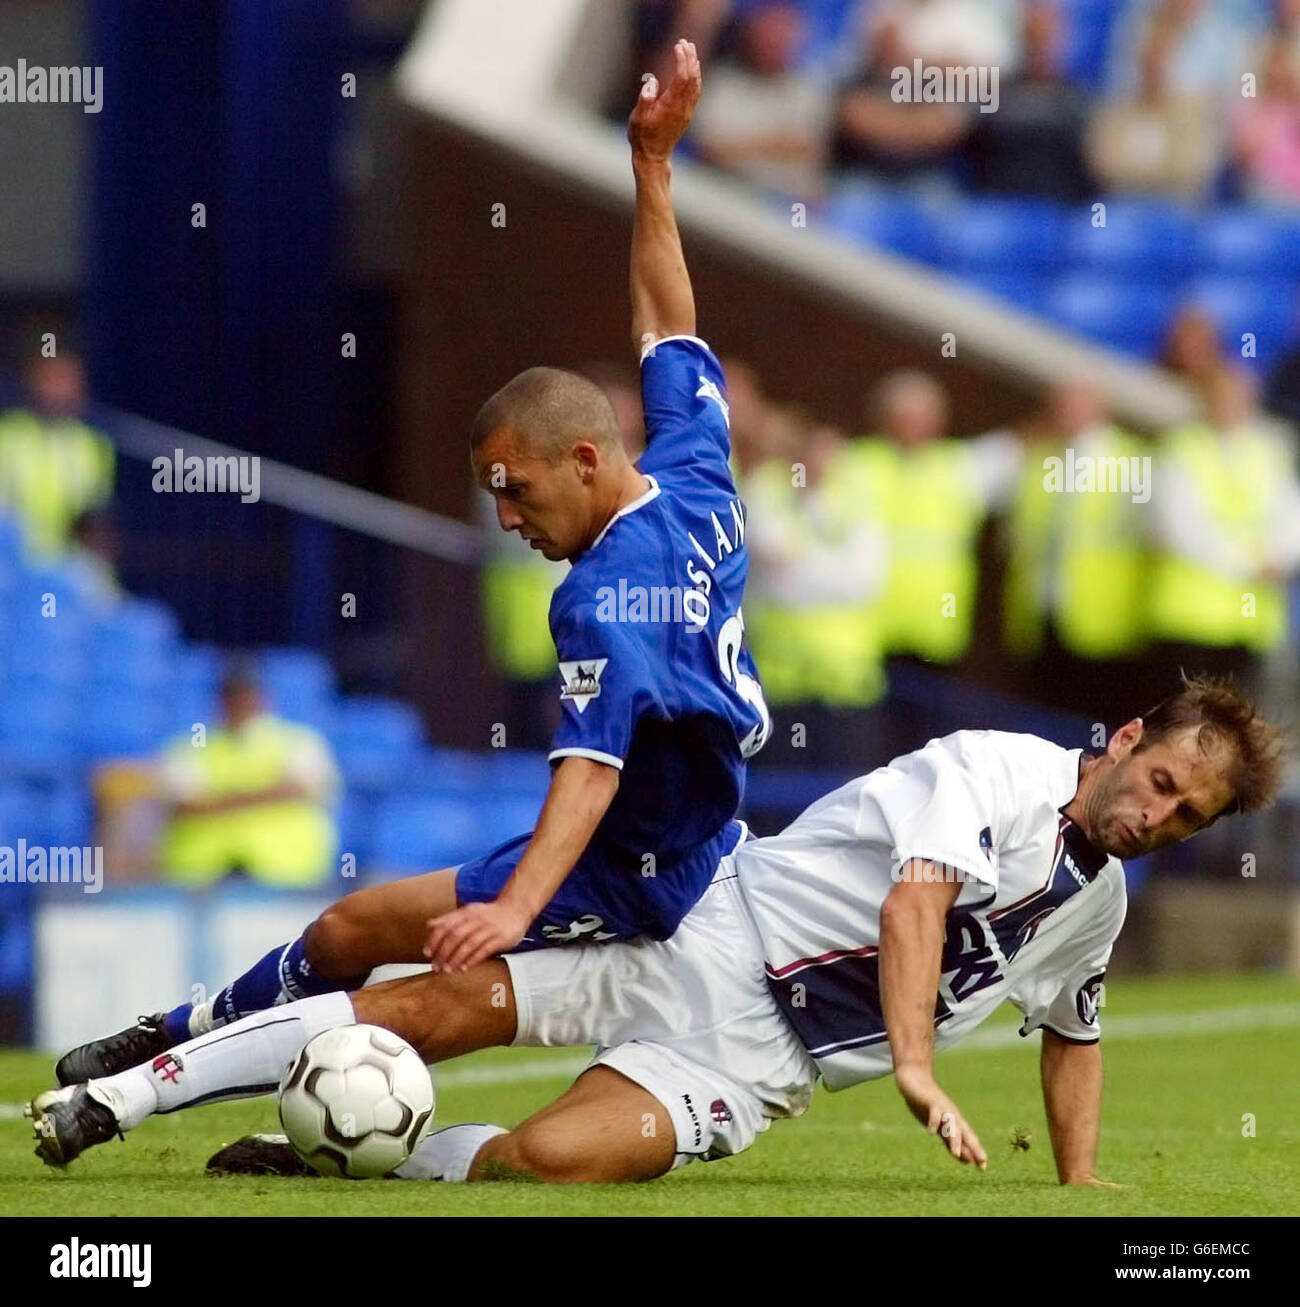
(472, 934)
(660, 119)
(939, 1115)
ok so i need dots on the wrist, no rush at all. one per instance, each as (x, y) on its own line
(520, 901)
(649, 164)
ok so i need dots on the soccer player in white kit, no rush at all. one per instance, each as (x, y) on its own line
(889, 919)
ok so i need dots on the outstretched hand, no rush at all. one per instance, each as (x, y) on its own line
(471, 934)
(660, 120)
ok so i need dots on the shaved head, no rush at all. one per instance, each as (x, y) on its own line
(545, 410)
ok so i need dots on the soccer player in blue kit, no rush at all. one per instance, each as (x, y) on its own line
(661, 702)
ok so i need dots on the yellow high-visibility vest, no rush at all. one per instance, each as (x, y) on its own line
(50, 473)
(515, 593)
(1077, 554)
(1193, 603)
(828, 653)
(286, 843)
(933, 509)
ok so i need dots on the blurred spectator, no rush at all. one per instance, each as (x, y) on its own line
(1286, 29)
(894, 141)
(1264, 144)
(253, 797)
(931, 495)
(53, 467)
(760, 115)
(978, 32)
(818, 567)
(1160, 139)
(1074, 586)
(759, 430)
(1193, 349)
(622, 387)
(92, 559)
(1226, 514)
(1033, 145)
(515, 588)
(1205, 46)
(659, 24)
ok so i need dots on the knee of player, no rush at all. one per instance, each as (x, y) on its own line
(537, 1153)
(334, 942)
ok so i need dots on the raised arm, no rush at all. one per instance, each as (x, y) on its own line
(663, 303)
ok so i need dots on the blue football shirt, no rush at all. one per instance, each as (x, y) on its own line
(655, 675)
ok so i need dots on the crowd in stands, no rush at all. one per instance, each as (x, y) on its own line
(1185, 99)
(1116, 559)
(247, 791)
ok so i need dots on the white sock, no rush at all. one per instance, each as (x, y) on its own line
(200, 1020)
(447, 1154)
(240, 1060)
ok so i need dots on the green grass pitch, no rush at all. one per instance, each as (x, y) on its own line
(1186, 1060)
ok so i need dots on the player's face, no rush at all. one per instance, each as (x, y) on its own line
(547, 504)
(1158, 795)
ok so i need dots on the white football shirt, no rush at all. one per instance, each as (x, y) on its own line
(1034, 923)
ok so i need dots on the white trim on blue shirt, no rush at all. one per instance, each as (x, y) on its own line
(594, 754)
(663, 340)
(639, 502)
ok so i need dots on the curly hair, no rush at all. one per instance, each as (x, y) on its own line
(1224, 718)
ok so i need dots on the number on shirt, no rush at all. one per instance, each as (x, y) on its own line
(729, 644)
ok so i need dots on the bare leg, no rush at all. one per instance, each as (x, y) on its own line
(604, 1129)
(387, 923)
(444, 1014)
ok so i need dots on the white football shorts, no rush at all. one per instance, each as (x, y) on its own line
(689, 1019)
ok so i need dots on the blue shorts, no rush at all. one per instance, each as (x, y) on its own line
(599, 900)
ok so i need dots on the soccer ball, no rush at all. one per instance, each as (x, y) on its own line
(356, 1101)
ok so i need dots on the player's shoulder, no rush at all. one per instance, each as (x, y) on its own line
(1029, 758)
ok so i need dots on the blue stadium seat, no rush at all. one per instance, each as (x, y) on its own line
(448, 773)
(299, 683)
(10, 542)
(1242, 242)
(1125, 315)
(423, 833)
(137, 631)
(876, 217)
(356, 818)
(16, 813)
(519, 772)
(1086, 39)
(1242, 305)
(1026, 291)
(376, 740)
(1001, 234)
(1146, 236)
(115, 720)
(506, 817)
(62, 816)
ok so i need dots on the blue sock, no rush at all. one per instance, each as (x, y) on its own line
(282, 976)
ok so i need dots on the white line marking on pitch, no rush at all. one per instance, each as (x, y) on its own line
(1165, 1025)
